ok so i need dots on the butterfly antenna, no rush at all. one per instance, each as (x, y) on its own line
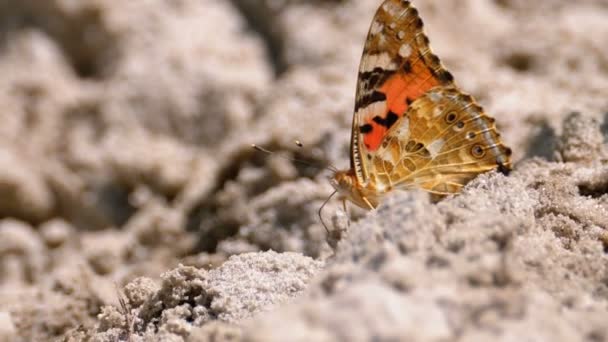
(330, 167)
(321, 209)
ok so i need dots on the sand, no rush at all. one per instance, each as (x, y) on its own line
(133, 207)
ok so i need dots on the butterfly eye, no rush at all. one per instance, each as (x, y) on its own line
(471, 135)
(477, 151)
(450, 118)
(460, 125)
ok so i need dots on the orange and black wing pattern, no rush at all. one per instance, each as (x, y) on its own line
(396, 69)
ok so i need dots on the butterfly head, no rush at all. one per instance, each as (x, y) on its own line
(344, 181)
(346, 184)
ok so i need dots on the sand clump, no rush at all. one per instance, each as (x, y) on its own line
(133, 207)
(189, 297)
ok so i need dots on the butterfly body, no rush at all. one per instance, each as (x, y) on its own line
(345, 182)
(412, 126)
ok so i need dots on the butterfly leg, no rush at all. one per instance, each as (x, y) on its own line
(371, 207)
(339, 227)
(346, 212)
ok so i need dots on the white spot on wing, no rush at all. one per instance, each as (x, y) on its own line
(387, 155)
(371, 110)
(435, 97)
(376, 28)
(390, 8)
(382, 60)
(437, 111)
(405, 50)
(435, 147)
(403, 128)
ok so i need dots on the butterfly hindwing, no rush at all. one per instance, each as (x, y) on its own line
(443, 141)
(397, 68)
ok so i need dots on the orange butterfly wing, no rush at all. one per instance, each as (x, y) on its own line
(397, 68)
(413, 127)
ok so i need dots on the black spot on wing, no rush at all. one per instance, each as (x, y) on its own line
(366, 75)
(366, 100)
(377, 96)
(445, 77)
(407, 67)
(391, 118)
(365, 128)
(387, 122)
(502, 168)
(378, 120)
(434, 59)
(373, 79)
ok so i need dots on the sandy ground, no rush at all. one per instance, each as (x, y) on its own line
(134, 209)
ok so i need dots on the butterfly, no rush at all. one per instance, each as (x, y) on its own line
(413, 128)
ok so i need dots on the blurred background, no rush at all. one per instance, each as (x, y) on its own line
(126, 126)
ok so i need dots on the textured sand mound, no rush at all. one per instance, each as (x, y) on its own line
(132, 206)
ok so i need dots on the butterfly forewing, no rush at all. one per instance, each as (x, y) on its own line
(397, 68)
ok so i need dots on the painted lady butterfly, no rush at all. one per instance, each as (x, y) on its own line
(412, 126)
